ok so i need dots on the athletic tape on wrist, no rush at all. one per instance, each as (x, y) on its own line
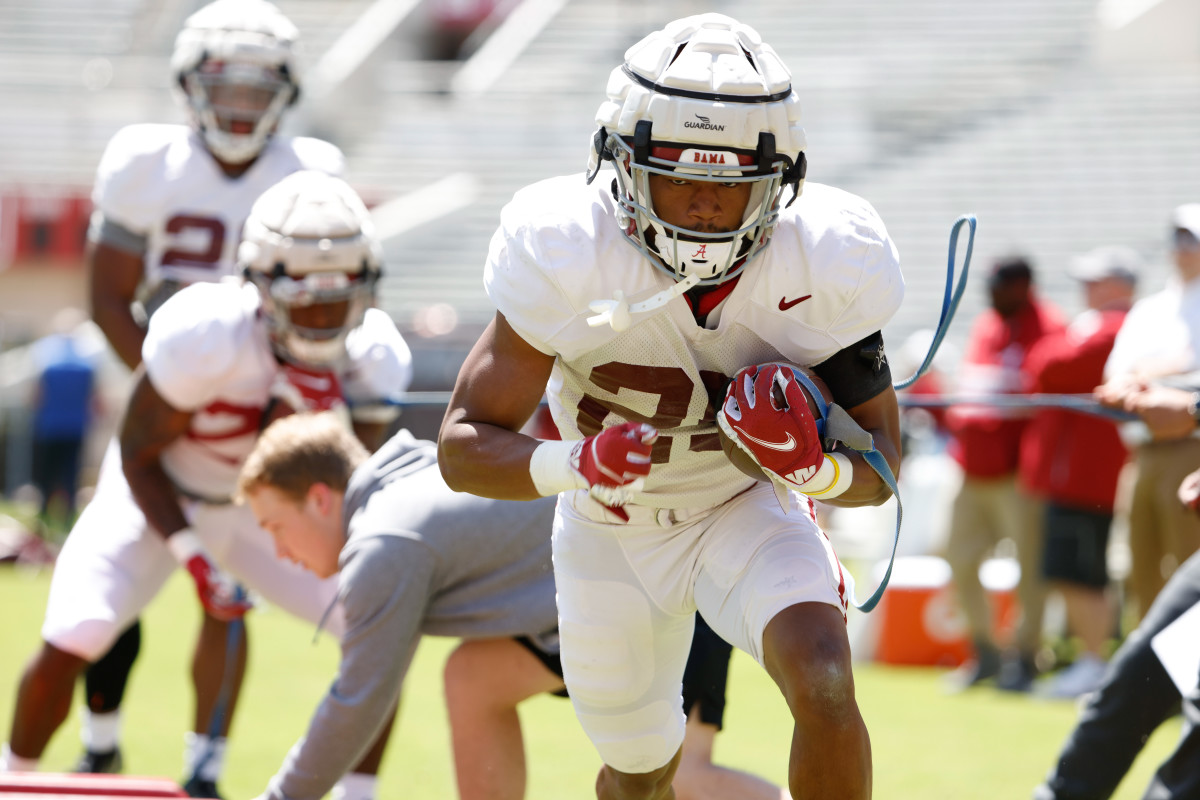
(834, 477)
(183, 544)
(551, 471)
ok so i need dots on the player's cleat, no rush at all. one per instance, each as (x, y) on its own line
(1082, 677)
(199, 787)
(985, 666)
(1016, 674)
(107, 762)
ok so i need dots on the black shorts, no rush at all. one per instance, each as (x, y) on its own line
(706, 674)
(1076, 545)
(704, 677)
(550, 660)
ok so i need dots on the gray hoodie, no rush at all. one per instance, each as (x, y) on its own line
(419, 559)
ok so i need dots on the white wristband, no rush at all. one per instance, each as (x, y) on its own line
(183, 544)
(550, 468)
(833, 478)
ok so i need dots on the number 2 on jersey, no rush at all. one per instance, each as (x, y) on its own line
(186, 226)
(674, 388)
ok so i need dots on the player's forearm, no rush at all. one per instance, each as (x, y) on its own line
(382, 627)
(866, 487)
(486, 460)
(340, 733)
(156, 496)
(120, 328)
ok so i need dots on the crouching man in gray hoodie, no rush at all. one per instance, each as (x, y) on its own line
(414, 557)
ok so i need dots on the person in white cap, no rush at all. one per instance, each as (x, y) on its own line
(1071, 461)
(1160, 344)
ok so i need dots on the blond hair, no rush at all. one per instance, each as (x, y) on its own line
(300, 450)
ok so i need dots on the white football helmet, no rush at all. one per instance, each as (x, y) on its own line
(704, 99)
(310, 248)
(235, 67)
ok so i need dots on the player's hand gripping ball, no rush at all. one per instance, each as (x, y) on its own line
(615, 463)
(769, 421)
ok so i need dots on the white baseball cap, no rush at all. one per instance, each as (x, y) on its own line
(1112, 261)
(1187, 218)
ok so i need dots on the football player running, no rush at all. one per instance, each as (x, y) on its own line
(170, 202)
(299, 332)
(632, 304)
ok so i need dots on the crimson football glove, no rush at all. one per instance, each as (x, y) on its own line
(766, 414)
(218, 593)
(614, 463)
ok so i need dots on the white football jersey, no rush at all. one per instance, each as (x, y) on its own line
(208, 352)
(829, 277)
(158, 181)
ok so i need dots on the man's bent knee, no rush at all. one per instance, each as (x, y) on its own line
(87, 639)
(807, 653)
(53, 662)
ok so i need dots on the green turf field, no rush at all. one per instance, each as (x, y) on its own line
(926, 744)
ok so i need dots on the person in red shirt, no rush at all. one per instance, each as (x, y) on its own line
(1072, 460)
(985, 441)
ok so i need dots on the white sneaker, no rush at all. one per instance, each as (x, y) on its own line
(1078, 679)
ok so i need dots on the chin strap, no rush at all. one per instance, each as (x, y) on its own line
(618, 313)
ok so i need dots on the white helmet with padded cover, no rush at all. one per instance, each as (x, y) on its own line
(234, 64)
(310, 248)
(704, 98)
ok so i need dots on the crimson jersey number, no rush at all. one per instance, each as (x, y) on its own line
(204, 256)
(243, 421)
(674, 388)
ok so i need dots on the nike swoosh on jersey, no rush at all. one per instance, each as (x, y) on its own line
(785, 304)
(784, 447)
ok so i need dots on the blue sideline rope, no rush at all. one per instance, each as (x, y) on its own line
(952, 294)
(1081, 403)
(950, 299)
(233, 635)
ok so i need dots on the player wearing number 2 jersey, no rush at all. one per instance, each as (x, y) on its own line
(216, 359)
(636, 348)
(169, 203)
(162, 199)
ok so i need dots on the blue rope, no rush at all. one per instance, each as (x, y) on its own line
(1080, 403)
(952, 295)
(233, 634)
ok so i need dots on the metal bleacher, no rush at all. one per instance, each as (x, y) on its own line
(928, 108)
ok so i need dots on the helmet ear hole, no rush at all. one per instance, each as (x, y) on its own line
(641, 141)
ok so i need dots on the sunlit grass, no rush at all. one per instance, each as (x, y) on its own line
(926, 744)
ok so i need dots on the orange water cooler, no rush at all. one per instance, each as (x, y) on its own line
(919, 621)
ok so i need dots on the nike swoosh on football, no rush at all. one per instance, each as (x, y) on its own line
(790, 444)
(785, 304)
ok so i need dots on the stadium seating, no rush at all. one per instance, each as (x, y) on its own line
(929, 109)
